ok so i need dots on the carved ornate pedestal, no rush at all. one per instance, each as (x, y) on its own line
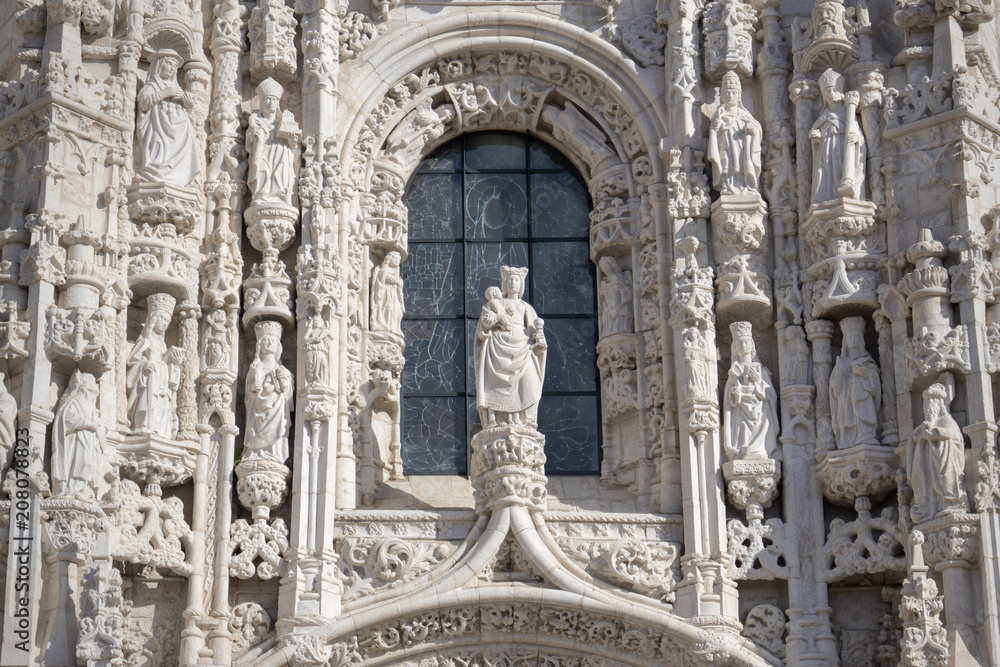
(508, 467)
(864, 470)
(752, 482)
(951, 540)
(159, 203)
(271, 225)
(262, 485)
(744, 290)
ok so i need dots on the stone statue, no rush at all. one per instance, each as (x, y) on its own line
(734, 142)
(838, 144)
(167, 146)
(510, 352)
(77, 439)
(154, 373)
(855, 389)
(318, 341)
(269, 390)
(217, 340)
(8, 423)
(935, 462)
(615, 292)
(272, 142)
(750, 411)
(795, 357)
(387, 295)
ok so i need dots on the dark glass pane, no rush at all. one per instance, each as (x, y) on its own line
(490, 151)
(484, 262)
(571, 362)
(474, 424)
(434, 436)
(496, 206)
(563, 282)
(571, 431)
(445, 159)
(432, 279)
(543, 156)
(435, 207)
(558, 207)
(434, 356)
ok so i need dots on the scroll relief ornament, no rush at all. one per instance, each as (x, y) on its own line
(508, 457)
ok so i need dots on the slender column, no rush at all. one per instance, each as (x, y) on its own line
(820, 333)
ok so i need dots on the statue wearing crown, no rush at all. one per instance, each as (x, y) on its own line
(269, 390)
(167, 148)
(510, 352)
(272, 141)
(154, 373)
(750, 402)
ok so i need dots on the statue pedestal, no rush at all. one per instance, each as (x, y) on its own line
(752, 482)
(508, 468)
(744, 290)
(864, 470)
(157, 461)
(262, 485)
(952, 540)
(271, 225)
(161, 203)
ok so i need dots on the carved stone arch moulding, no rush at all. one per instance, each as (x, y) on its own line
(513, 627)
(606, 126)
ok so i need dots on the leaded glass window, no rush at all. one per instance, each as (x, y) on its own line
(476, 203)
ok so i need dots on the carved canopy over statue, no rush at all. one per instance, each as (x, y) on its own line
(855, 389)
(77, 439)
(154, 373)
(734, 142)
(167, 148)
(272, 142)
(750, 404)
(839, 153)
(510, 352)
(269, 389)
(935, 464)
(8, 422)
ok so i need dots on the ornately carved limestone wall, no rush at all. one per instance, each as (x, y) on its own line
(796, 221)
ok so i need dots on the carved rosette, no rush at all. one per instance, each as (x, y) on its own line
(508, 468)
(863, 470)
(751, 482)
(262, 485)
(744, 290)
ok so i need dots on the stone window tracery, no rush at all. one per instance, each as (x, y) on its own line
(478, 202)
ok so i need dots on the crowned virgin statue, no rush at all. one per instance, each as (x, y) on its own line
(510, 351)
(750, 403)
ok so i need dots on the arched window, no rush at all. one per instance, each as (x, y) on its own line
(476, 203)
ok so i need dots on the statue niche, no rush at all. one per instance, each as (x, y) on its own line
(167, 148)
(750, 403)
(734, 142)
(269, 389)
(855, 389)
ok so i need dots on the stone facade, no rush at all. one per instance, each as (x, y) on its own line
(795, 229)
